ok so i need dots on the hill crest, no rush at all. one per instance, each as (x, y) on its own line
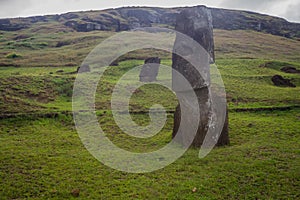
(126, 18)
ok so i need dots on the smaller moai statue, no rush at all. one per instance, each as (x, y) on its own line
(150, 69)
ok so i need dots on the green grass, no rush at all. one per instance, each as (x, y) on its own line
(253, 45)
(246, 82)
(44, 158)
(249, 85)
(50, 45)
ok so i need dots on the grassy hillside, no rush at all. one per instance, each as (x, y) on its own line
(251, 45)
(127, 18)
(42, 156)
(46, 49)
(44, 159)
(38, 84)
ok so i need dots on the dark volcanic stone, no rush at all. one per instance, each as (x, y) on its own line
(152, 60)
(150, 69)
(202, 95)
(196, 23)
(69, 16)
(21, 37)
(291, 70)
(114, 63)
(282, 82)
(6, 25)
(83, 69)
(86, 26)
(224, 137)
(36, 19)
(62, 43)
(123, 19)
(203, 125)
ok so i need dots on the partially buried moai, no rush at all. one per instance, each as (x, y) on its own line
(150, 70)
(196, 23)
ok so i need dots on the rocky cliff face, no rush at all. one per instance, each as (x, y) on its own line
(122, 19)
(244, 20)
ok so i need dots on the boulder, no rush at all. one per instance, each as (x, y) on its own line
(83, 69)
(114, 63)
(282, 82)
(60, 71)
(291, 70)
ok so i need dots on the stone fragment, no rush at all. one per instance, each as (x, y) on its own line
(282, 82)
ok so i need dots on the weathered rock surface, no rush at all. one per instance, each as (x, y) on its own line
(290, 70)
(150, 69)
(197, 142)
(282, 82)
(7, 25)
(86, 26)
(122, 19)
(196, 23)
(83, 69)
(114, 63)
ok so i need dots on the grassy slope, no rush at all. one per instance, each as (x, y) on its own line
(51, 48)
(251, 44)
(239, 55)
(44, 158)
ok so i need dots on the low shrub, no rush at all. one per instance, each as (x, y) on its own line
(13, 55)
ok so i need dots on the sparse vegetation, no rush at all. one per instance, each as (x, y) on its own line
(13, 56)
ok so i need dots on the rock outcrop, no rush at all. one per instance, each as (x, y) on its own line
(123, 19)
(290, 70)
(83, 69)
(7, 25)
(282, 82)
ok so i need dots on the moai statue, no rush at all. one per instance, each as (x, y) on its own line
(84, 68)
(150, 69)
(196, 23)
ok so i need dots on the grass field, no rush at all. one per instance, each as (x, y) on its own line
(42, 156)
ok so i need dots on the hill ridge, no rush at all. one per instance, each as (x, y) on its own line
(126, 18)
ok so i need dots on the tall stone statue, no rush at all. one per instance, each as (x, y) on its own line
(196, 23)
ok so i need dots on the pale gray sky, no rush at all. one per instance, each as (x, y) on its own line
(288, 9)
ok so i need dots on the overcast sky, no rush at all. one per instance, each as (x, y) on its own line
(288, 9)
